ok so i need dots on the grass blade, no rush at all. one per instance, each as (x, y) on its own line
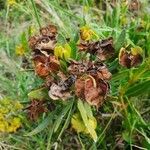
(41, 126)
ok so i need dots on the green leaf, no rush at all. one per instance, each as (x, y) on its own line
(60, 117)
(67, 121)
(39, 94)
(88, 110)
(121, 75)
(121, 40)
(139, 89)
(41, 126)
(73, 46)
(126, 136)
(24, 41)
(86, 121)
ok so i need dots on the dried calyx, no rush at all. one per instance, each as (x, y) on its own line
(88, 80)
(42, 46)
(45, 41)
(92, 90)
(131, 58)
(102, 49)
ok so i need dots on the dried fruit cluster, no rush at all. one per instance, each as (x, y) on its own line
(85, 78)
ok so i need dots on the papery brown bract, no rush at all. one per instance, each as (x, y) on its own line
(128, 60)
(32, 42)
(91, 90)
(77, 68)
(83, 46)
(99, 71)
(53, 64)
(42, 70)
(50, 31)
(79, 87)
(45, 41)
(102, 49)
(134, 5)
(45, 65)
(61, 89)
(57, 93)
(36, 108)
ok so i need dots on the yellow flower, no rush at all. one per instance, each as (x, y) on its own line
(11, 2)
(18, 106)
(86, 33)
(1, 116)
(62, 51)
(9, 118)
(20, 50)
(4, 110)
(3, 126)
(15, 124)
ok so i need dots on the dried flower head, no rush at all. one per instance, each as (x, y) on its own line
(45, 65)
(36, 108)
(91, 90)
(84, 78)
(102, 49)
(130, 58)
(45, 41)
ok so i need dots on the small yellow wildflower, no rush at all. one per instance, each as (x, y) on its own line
(18, 106)
(20, 50)
(87, 33)
(10, 119)
(62, 51)
(15, 124)
(3, 125)
(4, 110)
(11, 2)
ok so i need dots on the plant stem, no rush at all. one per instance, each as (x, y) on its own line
(36, 13)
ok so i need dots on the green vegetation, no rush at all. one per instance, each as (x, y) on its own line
(43, 121)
